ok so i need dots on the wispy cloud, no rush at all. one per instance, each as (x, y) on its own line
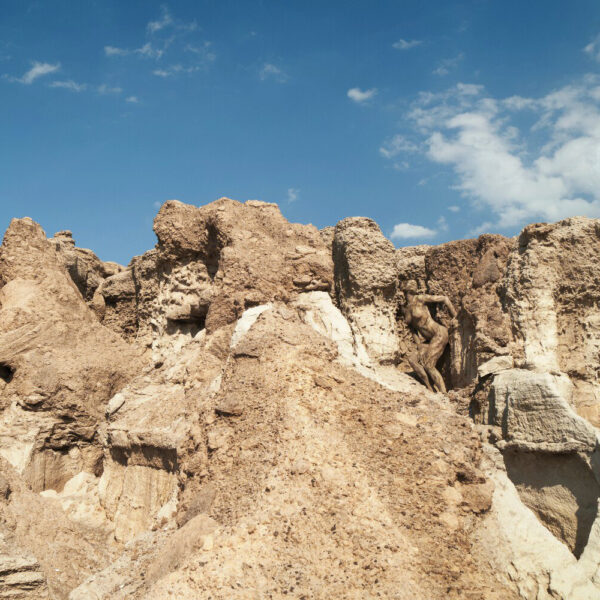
(203, 52)
(186, 56)
(292, 195)
(172, 70)
(406, 44)
(448, 64)
(69, 85)
(114, 51)
(360, 96)
(164, 21)
(271, 71)
(38, 69)
(593, 48)
(454, 208)
(146, 51)
(149, 51)
(404, 231)
(132, 99)
(106, 89)
(516, 177)
(395, 145)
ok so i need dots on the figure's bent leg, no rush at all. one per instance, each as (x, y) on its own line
(437, 379)
(414, 362)
(435, 349)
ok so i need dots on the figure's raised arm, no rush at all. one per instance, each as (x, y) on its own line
(442, 300)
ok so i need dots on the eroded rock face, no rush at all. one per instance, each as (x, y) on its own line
(552, 292)
(304, 456)
(470, 273)
(212, 263)
(273, 424)
(550, 452)
(366, 284)
(86, 270)
(60, 365)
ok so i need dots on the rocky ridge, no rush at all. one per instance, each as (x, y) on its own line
(232, 414)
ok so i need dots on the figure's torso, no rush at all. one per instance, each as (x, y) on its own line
(417, 315)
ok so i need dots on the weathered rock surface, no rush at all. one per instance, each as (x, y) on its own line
(212, 263)
(322, 467)
(366, 283)
(267, 444)
(86, 270)
(61, 366)
(552, 291)
(470, 272)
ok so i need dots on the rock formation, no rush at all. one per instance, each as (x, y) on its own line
(232, 415)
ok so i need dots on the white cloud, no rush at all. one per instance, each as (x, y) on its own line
(403, 231)
(145, 51)
(114, 51)
(38, 69)
(192, 56)
(204, 52)
(173, 70)
(593, 48)
(165, 20)
(360, 96)
(477, 137)
(148, 51)
(448, 64)
(106, 89)
(271, 71)
(69, 85)
(132, 99)
(292, 195)
(406, 44)
(395, 145)
(453, 208)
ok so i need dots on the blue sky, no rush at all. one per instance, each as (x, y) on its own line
(439, 119)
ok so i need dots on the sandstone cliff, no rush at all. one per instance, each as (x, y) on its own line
(232, 414)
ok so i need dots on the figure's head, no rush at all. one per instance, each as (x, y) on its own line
(410, 288)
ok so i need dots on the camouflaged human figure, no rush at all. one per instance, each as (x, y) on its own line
(430, 337)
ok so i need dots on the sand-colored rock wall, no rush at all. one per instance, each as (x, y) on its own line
(232, 415)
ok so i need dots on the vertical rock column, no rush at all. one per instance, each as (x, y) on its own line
(366, 286)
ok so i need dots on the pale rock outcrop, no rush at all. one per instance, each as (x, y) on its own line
(318, 310)
(495, 365)
(61, 366)
(153, 441)
(534, 413)
(212, 263)
(549, 451)
(246, 321)
(321, 469)
(42, 552)
(552, 289)
(272, 448)
(524, 553)
(86, 270)
(21, 577)
(366, 283)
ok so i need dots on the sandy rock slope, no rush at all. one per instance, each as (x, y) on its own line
(232, 414)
